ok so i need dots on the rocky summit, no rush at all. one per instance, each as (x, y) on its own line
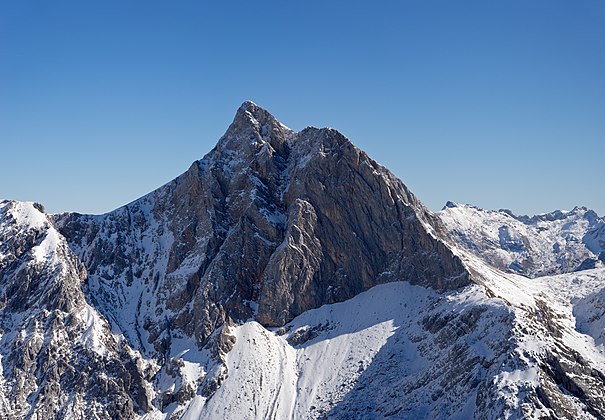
(288, 275)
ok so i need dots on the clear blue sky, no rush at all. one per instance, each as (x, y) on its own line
(493, 103)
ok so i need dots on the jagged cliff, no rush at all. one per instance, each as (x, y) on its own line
(269, 224)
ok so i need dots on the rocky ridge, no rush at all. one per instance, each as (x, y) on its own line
(59, 357)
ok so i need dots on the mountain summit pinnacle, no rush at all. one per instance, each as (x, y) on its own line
(250, 113)
(254, 126)
(248, 105)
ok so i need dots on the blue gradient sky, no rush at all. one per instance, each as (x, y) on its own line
(497, 104)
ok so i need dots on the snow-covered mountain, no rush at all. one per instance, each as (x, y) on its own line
(288, 275)
(59, 357)
(551, 243)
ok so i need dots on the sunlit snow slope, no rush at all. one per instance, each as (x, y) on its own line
(403, 351)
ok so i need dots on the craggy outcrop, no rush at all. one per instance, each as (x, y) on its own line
(269, 224)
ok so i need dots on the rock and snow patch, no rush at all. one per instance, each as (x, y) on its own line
(26, 214)
(95, 331)
(271, 378)
(46, 251)
(547, 244)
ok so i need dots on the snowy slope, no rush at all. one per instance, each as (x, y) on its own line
(552, 243)
(303, 372)
(405, 351)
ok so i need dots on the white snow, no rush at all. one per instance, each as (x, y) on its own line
(26, 214)
(96, 328)
(529, 375)
(270, 377)
(46, 251)
(547, 244)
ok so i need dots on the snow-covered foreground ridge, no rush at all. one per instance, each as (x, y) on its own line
(288, 275)
(404, 351)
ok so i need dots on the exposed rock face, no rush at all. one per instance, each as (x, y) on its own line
(269, 224)
(59, 358)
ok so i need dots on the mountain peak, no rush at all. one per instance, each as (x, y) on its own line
(450, 205)
(250, 115)
(248, 105)
(253, 126)
(249, 112)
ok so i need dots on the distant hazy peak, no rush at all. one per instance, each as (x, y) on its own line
(577, 211)
(551, 243)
